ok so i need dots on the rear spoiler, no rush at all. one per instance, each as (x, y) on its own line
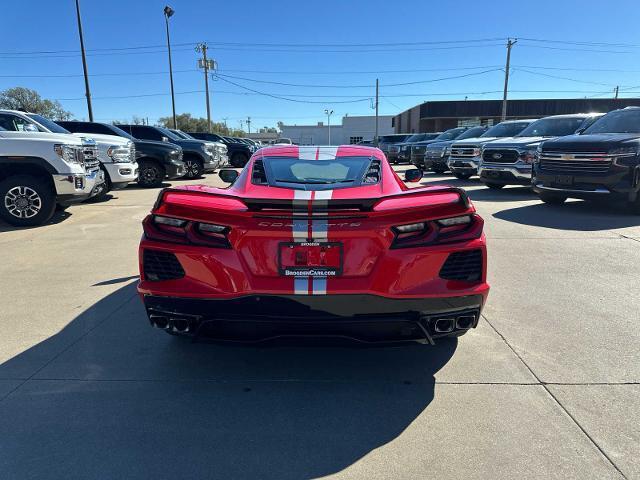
(363, 205)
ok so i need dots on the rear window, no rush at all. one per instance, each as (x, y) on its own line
(311, 174)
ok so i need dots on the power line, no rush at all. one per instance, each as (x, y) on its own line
(561, 78)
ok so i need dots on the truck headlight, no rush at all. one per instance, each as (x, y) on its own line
(528, 156)
(624, 151)
(67, 153)
(119, 154)
(477, 151)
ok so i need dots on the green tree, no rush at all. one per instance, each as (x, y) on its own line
(188, 123)
(27, 100)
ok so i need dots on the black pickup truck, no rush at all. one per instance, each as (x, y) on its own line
(239, 152)
(198, 156)
(603, 161)
(156, 160)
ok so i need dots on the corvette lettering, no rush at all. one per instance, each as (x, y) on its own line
(289, 225)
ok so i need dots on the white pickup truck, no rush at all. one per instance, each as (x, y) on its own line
(116, 154)
(42, 170)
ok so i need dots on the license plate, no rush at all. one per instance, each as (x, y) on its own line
(310, 259)
(564, 180)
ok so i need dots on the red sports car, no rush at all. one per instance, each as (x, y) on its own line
(314, 241)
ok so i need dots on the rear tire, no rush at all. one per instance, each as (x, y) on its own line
(26, 201)
(462, 176)
(553, 198)
(239, 160)
(495, 186)
(150, 174)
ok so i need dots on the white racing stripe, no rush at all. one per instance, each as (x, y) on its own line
(319, 286)
(319, 231)
(307, 153)
(327, 153)
(301, 285)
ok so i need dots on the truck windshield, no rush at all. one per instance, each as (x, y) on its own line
(170, 134)
(450, 134)
(510, 129)
(48, 124)
(472, 133)
(552, 127)
(619, 121)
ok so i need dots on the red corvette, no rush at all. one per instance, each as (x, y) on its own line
(320, 241)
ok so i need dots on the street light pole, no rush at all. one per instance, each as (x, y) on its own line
(84, 63)
(329, 113)
(168, 12)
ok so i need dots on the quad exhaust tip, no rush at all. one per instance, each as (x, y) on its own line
(180, 325)
(465, 322)
(444, 325)
(159, 321)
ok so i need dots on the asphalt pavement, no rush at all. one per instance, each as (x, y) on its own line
(546, 387)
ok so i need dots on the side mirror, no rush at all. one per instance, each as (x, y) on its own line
(165, 139)
(228, 175)
(413, 175)
(29, 127)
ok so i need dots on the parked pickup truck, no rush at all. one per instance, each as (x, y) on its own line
(508, 161)
(198, 156)
(389, 144)
(465, 155)
(602, 161)
(221, 149)
(156, 160)
(404, 152)
(39, 170)
(419, 149)
(436, 154)
(239, 153)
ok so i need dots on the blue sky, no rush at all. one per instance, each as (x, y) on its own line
(346, 71)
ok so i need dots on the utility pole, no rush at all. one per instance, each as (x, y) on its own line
(168, 12)
(241, 124)
(206, 64)
(617, 89)
(84, 63)
(249, 124)
(375, 138)
(510, 43)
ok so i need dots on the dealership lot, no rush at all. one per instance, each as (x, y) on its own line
(546, 386)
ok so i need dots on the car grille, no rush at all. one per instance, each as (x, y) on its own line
(159, 265)
(466, 266)
(433, 153)
(462, 151)
(504, 156)
(575, 163)
(89, 156)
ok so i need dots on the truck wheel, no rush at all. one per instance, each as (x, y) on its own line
(495, 186)
(462, 176)
(552, 198)
(193, 168)
(26, 201)
(150, 174)
(239, 160)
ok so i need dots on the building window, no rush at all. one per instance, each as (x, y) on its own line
(354, 140)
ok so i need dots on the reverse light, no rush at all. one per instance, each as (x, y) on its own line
(413, 227)
(211, 228)
(449, 222)
(172, 222)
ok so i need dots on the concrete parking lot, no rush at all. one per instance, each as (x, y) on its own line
(546, 387)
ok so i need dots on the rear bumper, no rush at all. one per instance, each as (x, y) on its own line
(361, 317)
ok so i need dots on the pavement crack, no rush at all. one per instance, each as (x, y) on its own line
(562, 407)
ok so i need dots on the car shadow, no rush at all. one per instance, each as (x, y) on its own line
(573, 215)
(59, 216)
(111, 397)
(135, 186)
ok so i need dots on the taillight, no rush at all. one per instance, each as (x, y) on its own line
(438, 232)
(177, 230)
